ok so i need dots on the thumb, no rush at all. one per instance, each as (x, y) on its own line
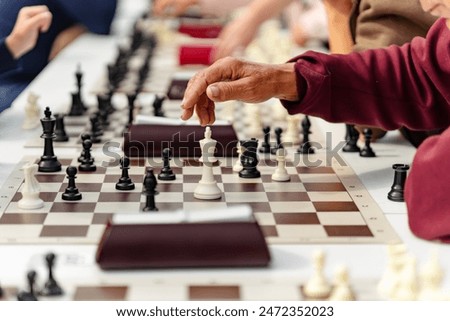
(228, 90)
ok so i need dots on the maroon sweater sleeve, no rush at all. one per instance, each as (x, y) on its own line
(427, 189)
(389, 88)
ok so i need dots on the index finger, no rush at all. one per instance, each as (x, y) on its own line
(33, 10)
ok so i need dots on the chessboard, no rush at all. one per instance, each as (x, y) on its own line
(324, 204)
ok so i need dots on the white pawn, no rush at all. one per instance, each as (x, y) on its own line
(431, 277)
(30, 191)
(207, 188)
(32, 112)
(281, 174)
(317, 286)
(292, 134)
(391, 276)
(407, 288)
(208, 147)
(237, 167)
(341, 290)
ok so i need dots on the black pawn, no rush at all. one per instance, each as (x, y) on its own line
(96, 130)
(150, 191)
(157, 106)
(278, 145)
(71, 193)
(51, 287)
(60, 131)
(79, 77)
(30, 295)
(87, 163)
(83, 138)
(367, 150)
(167, 173)
(305, 147)
(131, 100)
(124, 183)
(49, 162)
(396, 193)
(265, 147)
(351, 140)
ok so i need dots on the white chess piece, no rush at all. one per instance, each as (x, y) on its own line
(30, 191)
(391, 276)
(317, 286)
(208, 147)
(407, 287)
(237, 167)
(281, 174)
(341, 290)
(32, 112)
(431, 277)
(293, 130)
(207, 188)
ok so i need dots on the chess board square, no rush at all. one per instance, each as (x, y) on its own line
(287, 196)
(138, 162)
(23, 218)
(269, 231)
(347, 231)
(264, 218)
(329, 196)
(341, 218)
(84, 187)
(101, 218)
(64, 231)
(20, 231)
(256, 206)
(190, 187)
(282, 187)
(72, 207)
(169, 197)
(187, 178)
(65, 161)
(292, 207)
(290, 231)
(319, 178)
(169, 187)
(64, 218)
(324, 187)
(233, 197)
(214, 292)
(169, 207)
(119, 196)
(51, 187)
(335, 206)
(100, 171)
(111, 188)
(296, 218)
(14, 208)
(243, 188)
(117, 207)
(87, 197)
(189, 197)
(100, 293)
(277, 292)
(95, 232)
(115, 178)
(315, 170)
(83, 178)
(47, 178)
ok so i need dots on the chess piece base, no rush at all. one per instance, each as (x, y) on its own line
(396, 196)
(71, 196)
(49, 165)
(87, 167)
(51, 289)
(249, 173)
(32, 202)
(207, 191)
(349, 148)
(281, 177)
(367, 153)
(125, 185)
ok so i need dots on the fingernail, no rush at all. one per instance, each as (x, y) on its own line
(214, 90)
(182, 103)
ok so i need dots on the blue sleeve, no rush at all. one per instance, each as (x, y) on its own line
(95, 15)
(7, 61)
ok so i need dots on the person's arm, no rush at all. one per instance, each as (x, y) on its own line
(429, 216)
(7, 61)
(216, 8)
(241, 31)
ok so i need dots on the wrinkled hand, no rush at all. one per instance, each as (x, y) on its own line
(237, 35)
(235, 79)
(174, 7)
(30, 22)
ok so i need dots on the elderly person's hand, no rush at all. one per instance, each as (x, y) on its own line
(235, 79)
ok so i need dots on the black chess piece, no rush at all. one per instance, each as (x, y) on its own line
(249, 159)
(278, 145)
(265, 146)
(305, 147)
(71, 193)
(79, 77)
(131, 100)
(157, 105)
(167, 173)
(51, 287)
(1, 291)
(96, 131)
(83, 137)
(397, 189)
(87, 163)
(150, 191)
(103, 110)
(30, 294)
(60, 131)
(351, 140)
(49, 162)
(77, 108)
(367, 150)
(125, 183)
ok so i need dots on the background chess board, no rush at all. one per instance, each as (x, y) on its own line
(326, 204)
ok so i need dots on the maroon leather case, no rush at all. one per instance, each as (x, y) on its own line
(195, 55)
(201, 30)
(225, 244)
(144, 140)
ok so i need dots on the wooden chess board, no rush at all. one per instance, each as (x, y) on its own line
(325, 204)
